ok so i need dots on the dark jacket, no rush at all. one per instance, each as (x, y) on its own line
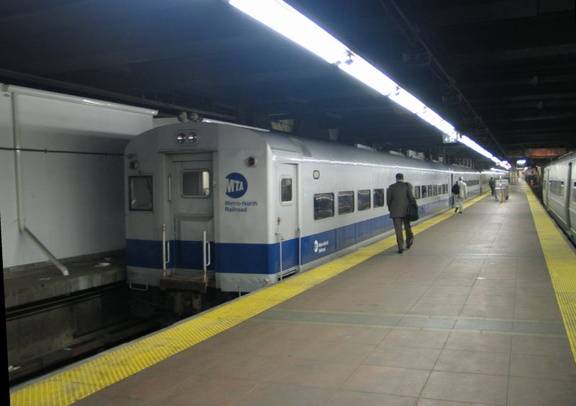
(397, 197)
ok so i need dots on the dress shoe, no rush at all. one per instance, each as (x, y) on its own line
(400, 251)
(456, 210)
(409, 243)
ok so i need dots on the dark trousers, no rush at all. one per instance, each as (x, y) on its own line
(398, 221)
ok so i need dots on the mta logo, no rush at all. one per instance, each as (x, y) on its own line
(236, 185)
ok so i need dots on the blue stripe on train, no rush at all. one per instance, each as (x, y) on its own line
(258, 258)
(253, 258)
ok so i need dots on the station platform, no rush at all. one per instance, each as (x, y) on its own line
(481, 310)
(45, 281)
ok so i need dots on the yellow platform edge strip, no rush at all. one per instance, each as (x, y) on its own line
(79, 382)
(561, 262)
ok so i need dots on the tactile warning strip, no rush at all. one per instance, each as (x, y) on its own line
(560, 258)
(107, 368)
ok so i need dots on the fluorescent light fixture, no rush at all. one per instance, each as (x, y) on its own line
(521, 162)
(293, 25)
(368, 74)
(289, 22)
(472, 144)
(432, 118)
(408, 101)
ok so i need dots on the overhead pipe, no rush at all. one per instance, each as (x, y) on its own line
(19, 201)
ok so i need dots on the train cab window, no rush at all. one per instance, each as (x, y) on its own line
(378, 197)
(196, 183)
(140, 193)
(364, 200)
(323, 205)
(345, 202)
(286, 190)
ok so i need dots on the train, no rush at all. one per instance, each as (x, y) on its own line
(532, 175)
(559, 193)
(242, 208)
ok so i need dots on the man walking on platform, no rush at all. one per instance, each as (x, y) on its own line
(398, 196)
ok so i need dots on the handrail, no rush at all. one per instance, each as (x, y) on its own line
(164, 250)
(280, 239)
(207, 255)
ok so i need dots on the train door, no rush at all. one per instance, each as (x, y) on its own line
(288, 233)
(191, 200)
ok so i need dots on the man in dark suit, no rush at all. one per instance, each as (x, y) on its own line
(397, 197)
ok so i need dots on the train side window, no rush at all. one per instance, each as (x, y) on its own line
(196, 183)
(286, 190)
(141, 197)
(364, 199)
(323, 205)
(417, 192)
(378, 197)
(345, 202)
(424, 190)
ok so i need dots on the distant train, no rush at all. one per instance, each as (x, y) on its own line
(532, 175)
(559, 193)
(245, 207)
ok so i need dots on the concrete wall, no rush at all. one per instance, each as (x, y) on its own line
(71, 171)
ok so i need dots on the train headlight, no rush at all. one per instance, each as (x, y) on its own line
(188, 137)
(192, 138)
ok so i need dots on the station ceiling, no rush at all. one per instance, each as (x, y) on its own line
(502, 72)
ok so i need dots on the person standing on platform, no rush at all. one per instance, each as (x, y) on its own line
(461, 196)
(492, 184)
(398, 196)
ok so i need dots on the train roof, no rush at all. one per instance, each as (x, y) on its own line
(567, 157)
(309, 149)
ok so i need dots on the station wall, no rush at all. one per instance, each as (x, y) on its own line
(65, 156)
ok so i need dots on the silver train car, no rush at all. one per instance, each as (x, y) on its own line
(245, 207)
(559, 193)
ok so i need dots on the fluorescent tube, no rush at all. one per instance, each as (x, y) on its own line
(289, 22)
(408, 101)
(369, 75)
